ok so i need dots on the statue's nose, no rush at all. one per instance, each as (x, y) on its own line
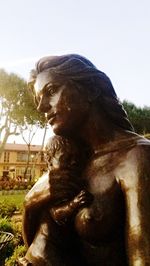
(44, 105)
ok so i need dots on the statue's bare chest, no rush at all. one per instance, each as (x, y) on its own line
(99, 175)
(101, 182)
(108, 201)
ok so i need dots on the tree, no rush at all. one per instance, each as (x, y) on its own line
(139, 117)
(28, 140)
(16, 107)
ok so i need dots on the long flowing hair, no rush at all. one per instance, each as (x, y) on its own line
(86, 76)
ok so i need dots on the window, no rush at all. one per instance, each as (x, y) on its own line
(33, 157)
(6, 156)
(21, 171)
(29, 171)
(42, 157)
(17, 171)
(6, 168)
(22, 156)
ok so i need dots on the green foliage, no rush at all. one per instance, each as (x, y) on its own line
(17, 107)
(15, 247)
(18, 252)
(17, 100)
(7, 209)
(15, 185)
(8, 251)
(139, 117)
(6, 225)
(17, 230)
(15, 199)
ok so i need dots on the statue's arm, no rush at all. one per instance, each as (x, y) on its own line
(39, 194)
(30, 223)
(35, 202)
(136, 187)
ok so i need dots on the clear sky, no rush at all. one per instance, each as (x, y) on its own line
(113, 34)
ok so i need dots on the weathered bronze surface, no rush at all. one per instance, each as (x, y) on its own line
(113, 228)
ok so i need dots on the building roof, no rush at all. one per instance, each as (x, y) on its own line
(21, 147)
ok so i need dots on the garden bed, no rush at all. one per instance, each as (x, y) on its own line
(11, 206)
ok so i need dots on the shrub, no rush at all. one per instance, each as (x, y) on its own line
(16, 187)
(6, 225)
(14, 184)
(18, 252)
(29, 187)
(7, 209)
(16, 228)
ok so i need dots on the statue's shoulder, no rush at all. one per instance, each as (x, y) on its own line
(135, 165)
(143, 147)
(138, 144)
(141, 154)
(142, 141)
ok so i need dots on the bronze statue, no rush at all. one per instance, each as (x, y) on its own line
(67, 189)
(114, 228)
(65, 163)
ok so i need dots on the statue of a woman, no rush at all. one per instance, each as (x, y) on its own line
(81, 104)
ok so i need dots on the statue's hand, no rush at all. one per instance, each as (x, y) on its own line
(84, 198)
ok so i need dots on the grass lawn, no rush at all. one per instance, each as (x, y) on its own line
(17, 199)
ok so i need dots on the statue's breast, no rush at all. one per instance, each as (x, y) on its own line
(104, 216)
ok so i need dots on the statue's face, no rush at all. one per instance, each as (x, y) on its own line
(66, 107)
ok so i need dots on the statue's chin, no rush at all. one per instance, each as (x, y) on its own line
(62, 131)
(56, 129)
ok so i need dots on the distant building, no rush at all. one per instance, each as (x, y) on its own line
(14, 160)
